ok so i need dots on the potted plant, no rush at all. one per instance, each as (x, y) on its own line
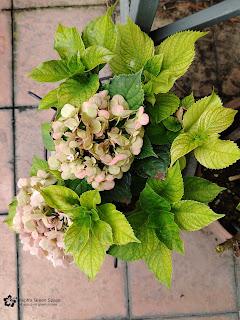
(113, 183)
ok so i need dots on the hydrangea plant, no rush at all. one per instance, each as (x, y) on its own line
(113, 181)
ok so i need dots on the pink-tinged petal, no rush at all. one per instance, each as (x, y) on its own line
(144, 119)
(104, 113)
(118, 158)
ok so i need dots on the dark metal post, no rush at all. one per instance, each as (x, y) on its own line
(202, 19)
(142, 12)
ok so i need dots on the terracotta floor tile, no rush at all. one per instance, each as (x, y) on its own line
(51, 3)
(35, 43)
(5, 58)
(218, 317)
(7, 271)
(237, 268)
(202, 282)
(29, 141)
(6, 181)
(5, 4)
(79, 298)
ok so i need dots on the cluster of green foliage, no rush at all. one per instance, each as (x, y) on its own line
(162, 202)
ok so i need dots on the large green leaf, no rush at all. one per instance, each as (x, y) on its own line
(201, 190)
(77, 235)
(51, 71)
(167, 230)
(159, 134)
(156, 255)
(134, 48)
(96, 55)
(217, 154)
(121, 191)
(166, 104)
(151, 202)
(88, 247)
(121, 229)
(101, 32)
(68, 42)
(216, 119)
(147, 149)
(171, 188)
(178, 54)
(76, 91)
(130, 87)
(159, 261)
(60, 197)
(194, 112)
(46, 136)
(38, 164)
(154, 64)
(192, 215)
(49, 100)
(184, 143)
(78, 185)
(90, 199)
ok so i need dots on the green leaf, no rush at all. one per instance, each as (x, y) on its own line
(121, 229)
(172, 124)
(188, 101)
(68, 42)
(77, 235)
(150, 201)
(38, 164)
(88, 246)
(11, 212)
(51, 71)
(96, 55)
(216, 119)
(78, 185)
(129, 252)
(194, 112)
(147, 149)
(77, 91)
(166, 104)
(46, 136)
(217, 154)
(90, 199)
(167, 230)
(172, 187)
(159, 261)
(191, 215)
(130, 87)
(101, 32)
(121, 191)
(49, 100)
(156, 255)
(154, 64)
(178, 54)
(201, 190)
(152, 167)
(60, 198)
(159, 135)
(184, 143)
(133, 49)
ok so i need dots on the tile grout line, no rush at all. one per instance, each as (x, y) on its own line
(127, 293)
(14, 156)
(186, 315)
(20, 108)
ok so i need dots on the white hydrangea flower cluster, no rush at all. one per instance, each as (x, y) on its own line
(41, 228)
(99, 141)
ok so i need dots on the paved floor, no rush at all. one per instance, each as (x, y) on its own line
(205, 285)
